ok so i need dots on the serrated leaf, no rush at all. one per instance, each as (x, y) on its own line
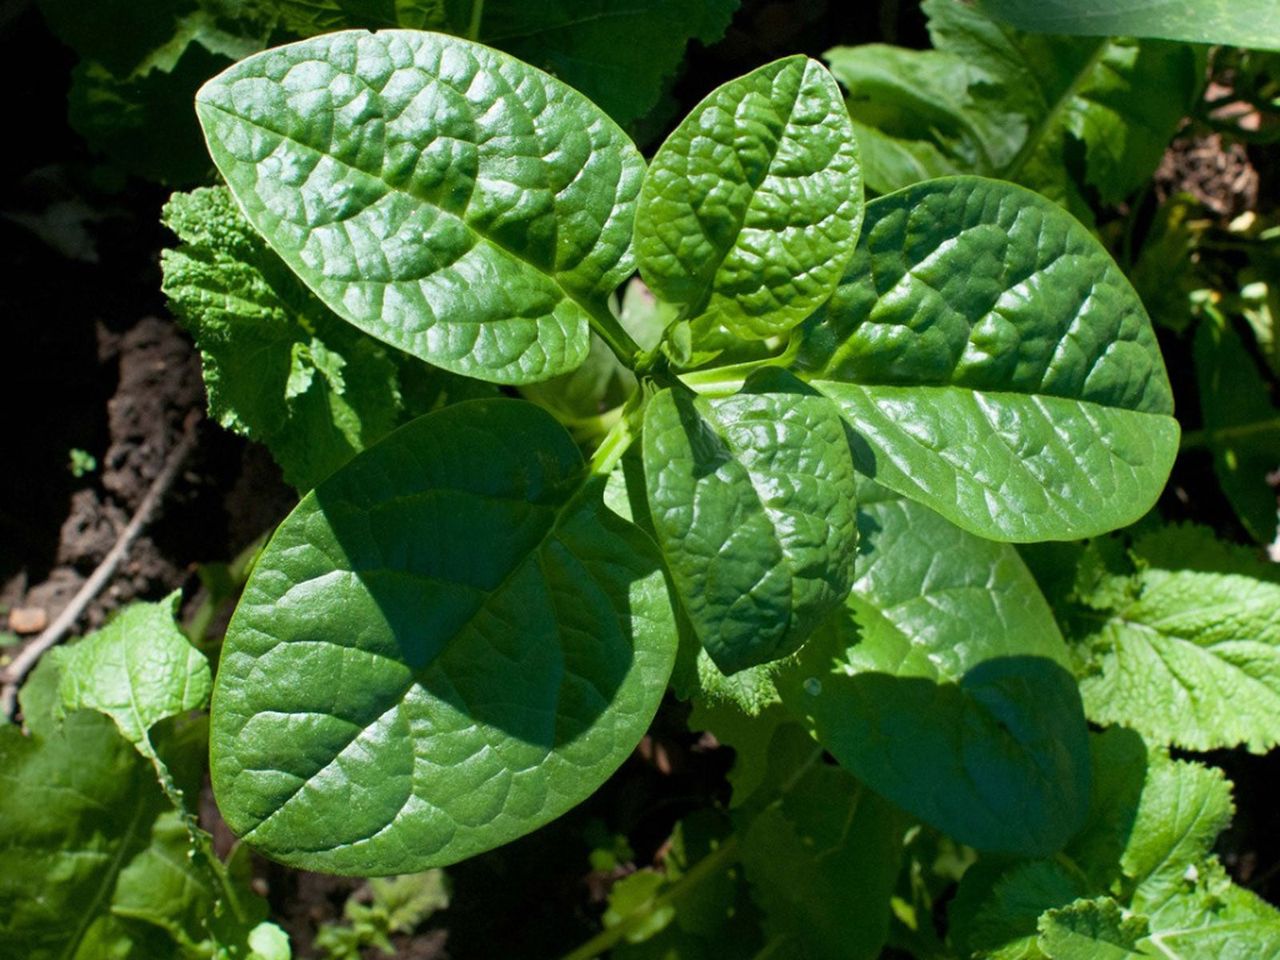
(1233, 401)
(942, 685)
(1091, 930)
(617, 52)
(139, 669)
(752, 498)
(751, 208)
(279, 366)
(996, 364)
(376, 712)
(821, 863)
(991, 101)
(1242, 23)
(1193, 659)
(442, 196)
(996, 907)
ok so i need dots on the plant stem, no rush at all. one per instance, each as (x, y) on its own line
(238, 571)
(477, 11)
(607, 328)
(1201, 439)
(723, 856)
(620, 436)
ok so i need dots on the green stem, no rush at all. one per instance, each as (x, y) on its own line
(477, 11)
(238, 571)
(1051, 115)
(724, 856)
(620, 436)
(1202, 439)
(607, 328)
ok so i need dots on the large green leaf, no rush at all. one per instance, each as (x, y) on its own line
(1239, 23)
(1054, 113)
(995, 364)
(447, 644)
(442, 196)
(1189, 653)
(752, 499)
(751, 207)
(942, 684)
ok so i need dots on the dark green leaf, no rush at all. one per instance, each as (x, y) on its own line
(1240, 23)
(442, 196)
(751, 207)
(447, 644)
(942, 685)
(752, 498)
(996, 364)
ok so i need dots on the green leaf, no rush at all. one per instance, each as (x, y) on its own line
(442, 196)
(375, 711)
(942, 686)
(751, 207)
(1091, 930)
(279, 366)
(996, 907)
(995, 364)
(822, 862)
(1233, 401)
(752, 498)
(991, 101)
(139, 669)
(1194, 658)
(617, 52)
(1240, 23)
(306, 18)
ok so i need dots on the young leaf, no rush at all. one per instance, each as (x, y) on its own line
(442, 196)
(942, 685)
(751, 207)
(996, 364)
(1193, 658)
(138, 670)
(991, 101)
(821, 862)
(752, 498)
(1091, 930)
(1234, 402)
(1240, 23)
(997, 906)
(447, 644)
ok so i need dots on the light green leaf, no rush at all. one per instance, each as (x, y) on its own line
(750, 209)
(376, 712)
(1240, 23)
(997, 906)
(1234, 402)
(752, 498)
(279, 366)
(942, 686)
(617, 52)
(995, 364)
(138, 670)
(991, 101)
(821, 862)
(1194, 658)
(442, 196)
(1096, 929)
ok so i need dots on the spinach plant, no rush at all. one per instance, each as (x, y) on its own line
(804, 505)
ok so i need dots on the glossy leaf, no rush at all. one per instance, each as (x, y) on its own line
(942, 685)
(1188, 656)
(750, 209)
(1240, 23)
(139, 669)
(752, 499)
(995, 364)
(448, 643)
(442, 196)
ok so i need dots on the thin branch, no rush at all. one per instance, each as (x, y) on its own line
(17, 671)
